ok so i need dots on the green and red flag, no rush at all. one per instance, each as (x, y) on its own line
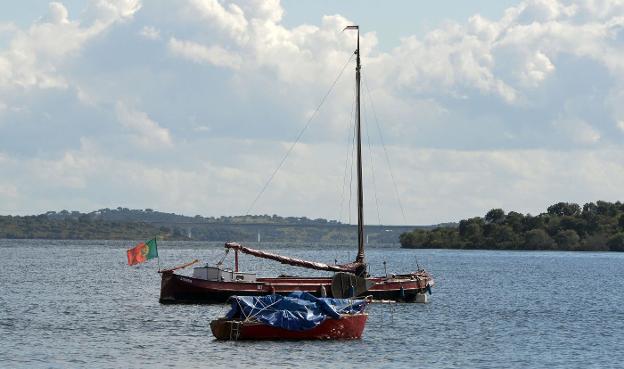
(142, 252)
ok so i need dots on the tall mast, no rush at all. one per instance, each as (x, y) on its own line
(360, 255)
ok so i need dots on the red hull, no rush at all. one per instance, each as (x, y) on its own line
(348, 327)
(176, 288)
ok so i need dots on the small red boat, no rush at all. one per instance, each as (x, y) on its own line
(348, 327)
(298, 316)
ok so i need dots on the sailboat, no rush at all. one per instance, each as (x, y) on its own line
(216, 284)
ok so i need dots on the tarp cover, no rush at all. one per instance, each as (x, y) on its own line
(299, 311)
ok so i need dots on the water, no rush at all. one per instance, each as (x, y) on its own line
(76, 304)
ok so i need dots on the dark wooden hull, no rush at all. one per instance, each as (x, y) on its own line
(176, 288)
(348, 327)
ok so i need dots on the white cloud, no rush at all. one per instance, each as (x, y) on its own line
(443, 185)
(146, 132)
(85, 97)
(478, 114)
(106, 12)
(537, 69)
(35, 55)
(305, 54)
(214, 55)
(230, 20)
(8, 191)
(270, 10)
(66, 172)
(507, 58)
(57, 14)
(150, 33)
(7, 28)
(578, 131)
(543, 11)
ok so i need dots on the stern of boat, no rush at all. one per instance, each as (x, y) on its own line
(167, 289)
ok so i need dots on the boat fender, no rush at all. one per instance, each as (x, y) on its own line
(428, 288)
(402, 292)
(351, 291)
(323, 292)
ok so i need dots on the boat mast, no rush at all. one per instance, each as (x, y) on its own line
(360, 255)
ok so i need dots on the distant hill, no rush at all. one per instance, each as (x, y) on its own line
(151, 216)
(79, 228)
(596, 226)
(124, 223)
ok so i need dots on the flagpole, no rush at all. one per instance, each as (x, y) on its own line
(157, 257)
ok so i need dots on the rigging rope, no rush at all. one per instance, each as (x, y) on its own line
(348, 158)
(220, 262)
(396, 190)
(351, 171)
(331, 88)
(372, 166)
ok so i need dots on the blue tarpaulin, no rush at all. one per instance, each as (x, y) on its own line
(299, 311)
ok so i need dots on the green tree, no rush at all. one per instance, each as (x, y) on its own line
(595, 242)
(501, 237)
(496, 216)
(531, 222)
(471, 231)
(577, 224)
(442, 238)
(515, 220)
(616, 242)
(564, 208)
(589, 209)
(606, 208)
(538, 239)
(567, 239)
(414, 239)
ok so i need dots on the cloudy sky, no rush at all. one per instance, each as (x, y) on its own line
(189, 108)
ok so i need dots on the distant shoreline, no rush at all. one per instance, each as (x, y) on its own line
(134, 224)
(595, 226)
(346, 246)
(564, 226)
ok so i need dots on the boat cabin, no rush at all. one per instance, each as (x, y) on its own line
(216, 274)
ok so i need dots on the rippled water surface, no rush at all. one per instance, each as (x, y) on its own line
(76, 304)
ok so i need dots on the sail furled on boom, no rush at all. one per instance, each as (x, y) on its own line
(348, 268)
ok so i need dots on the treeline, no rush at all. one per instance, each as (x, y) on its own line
(121, 214)
(43, 227)
(124, 223)
(596, 226)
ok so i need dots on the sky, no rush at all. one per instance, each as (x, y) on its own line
(189, 107)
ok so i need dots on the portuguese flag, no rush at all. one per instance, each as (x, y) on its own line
(142, 252)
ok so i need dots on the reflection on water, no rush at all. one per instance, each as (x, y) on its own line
(77, 304)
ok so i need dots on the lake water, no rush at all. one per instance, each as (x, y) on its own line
(76, 304)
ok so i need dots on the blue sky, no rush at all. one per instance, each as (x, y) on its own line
(189, 108)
